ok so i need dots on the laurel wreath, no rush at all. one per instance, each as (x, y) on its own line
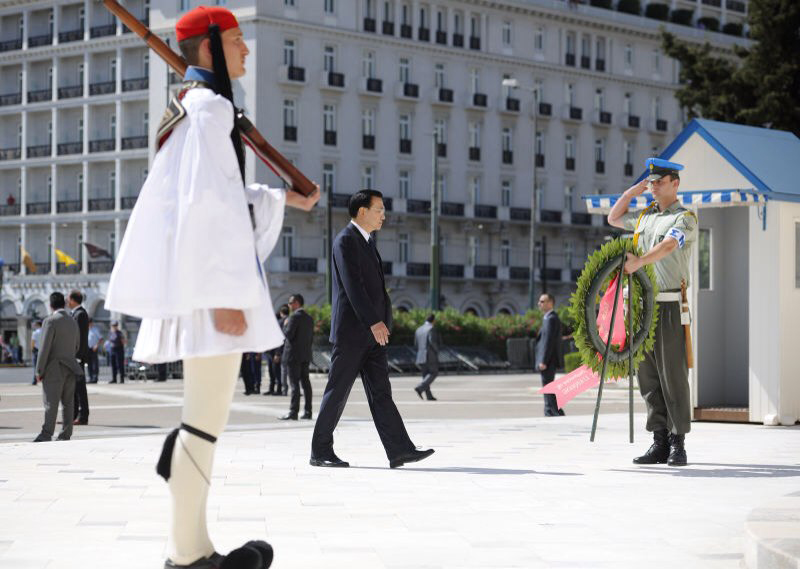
(600, 268)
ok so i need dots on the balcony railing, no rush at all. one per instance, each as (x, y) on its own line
(104, 145)
(508, 157)
(63, 269)
(405, 146)
(661, 125)
(303, 264)
(329, 137)
(100, 267)
(445, 95)
(545, 109)
(479, 100)
(374, 85)
(37, 41)
(484, 272)
(336, 79)
(127, 202)
(11, 45)
(458, 40)
(599, 167)
(519, 273)
(406, 31)
(101, 204)
(569, 164)
(423, 34)
(418, 206)
(441, 37)
(13, 209)
(570, 59)
(418, 269)
(586, 62)
(410, 90)
(628, 169)
(133, 142)
(451, 271)
(575, 113)
(736, 6)
(10, 99)
(387, 28)
(100, 31)
(550, 216)
(579, 218)
(485, 211)
(368, 141)
(10, 154)
(474, 43)
(453, 209)
(72, 35)
(441, 150)
(539, 158)
(519, 213)
(70, 92)
(35, 208)
(600, 64)
(512, 104)
(40, 95)
(136, 84)
(290, 133)
(386, 266)
(296, 73)
(370, 25)
(69, 206)
(474, 153)
(605, 117)
(633, 121)
(42, 268)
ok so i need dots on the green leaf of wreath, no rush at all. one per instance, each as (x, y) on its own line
(589, 355)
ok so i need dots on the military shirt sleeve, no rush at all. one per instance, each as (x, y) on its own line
(629, 219)
(684, 231)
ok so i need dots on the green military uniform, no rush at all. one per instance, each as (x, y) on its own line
(664, 375)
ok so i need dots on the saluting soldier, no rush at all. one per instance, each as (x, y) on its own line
(665, 232)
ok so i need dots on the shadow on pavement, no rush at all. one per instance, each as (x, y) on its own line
(473, 470)
(721, 470)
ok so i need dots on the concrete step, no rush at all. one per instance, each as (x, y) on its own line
(772, 535)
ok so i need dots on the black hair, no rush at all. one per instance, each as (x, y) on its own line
(284, 309)
(298, 297)
(77, 296)
(224, 88)
(362, 198)
(57, 301)
(549, 297)
(430, 318)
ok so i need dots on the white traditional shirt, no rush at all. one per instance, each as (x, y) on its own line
(190, 246)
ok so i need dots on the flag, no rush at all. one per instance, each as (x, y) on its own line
(28, 262)
(95, 251)
(64, 258)
(604, 315)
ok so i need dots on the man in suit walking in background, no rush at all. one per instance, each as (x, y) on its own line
(57, 368)
(548, 351)
(75, 304)
(426, 340)
(299, 332)
(361, 316)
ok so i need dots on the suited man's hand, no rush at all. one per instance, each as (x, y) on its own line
(381, 333)
(229, 321)
(542, 367)
(39, 379)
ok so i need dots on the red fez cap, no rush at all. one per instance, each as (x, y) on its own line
(196, 22)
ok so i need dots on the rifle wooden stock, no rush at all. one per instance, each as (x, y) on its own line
(265, 151)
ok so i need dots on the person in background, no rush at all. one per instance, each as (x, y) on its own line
(118, 343)
(299, 332)
(75, 305)
(284, 315)
(36, 336)
(426, 341)
(95, 341)
(548, 351)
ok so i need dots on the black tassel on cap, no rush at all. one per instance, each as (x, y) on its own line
(223, 86)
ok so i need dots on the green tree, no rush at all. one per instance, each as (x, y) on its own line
(760, 86)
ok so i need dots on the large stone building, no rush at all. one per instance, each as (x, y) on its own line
(352, 91)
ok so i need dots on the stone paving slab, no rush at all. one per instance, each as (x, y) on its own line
(503, 493)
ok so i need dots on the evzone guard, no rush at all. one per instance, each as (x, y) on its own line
(190, 266)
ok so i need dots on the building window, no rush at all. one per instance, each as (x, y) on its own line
(600, 150)
(441, 186)
(474, 27)
(474, 81)
(402, 248)
(405, 15)
(289, 120)
(440, 131)
(288, 3)
(288, 52)
(507, 34)
(184, 5)
(627, 104)
(287, 241)
(628, 57)
(112, 183)
(388, 11)
(405, 127)
(505, 193)
(507, 139)
(368, 64)
(627, 148)
(657, 108)
(599, 100)
(441, 21)
(538, 39)
(569, 150)
(404, 184)
(367, 178)
(330, 6)
(539, 143)
(405, 70)
(657, 61)
(328, 178)
(112, 126)
(458, 27)
(569, 191)
(475, 135)
(568, 254)
(368, 122)
(569, 94)
(475, 189)
(438, 76)
(704, 264)
(570, 51)
(474, 249)
(505, 253)
(538, 196)
(329, 59)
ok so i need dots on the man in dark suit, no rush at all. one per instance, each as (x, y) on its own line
(426, 340)
(57, 368)
(548, 351)
(299, 332)
(361, 316)
(75, 304)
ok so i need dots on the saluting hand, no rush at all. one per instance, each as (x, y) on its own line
(230, 321)
(638, 189)
(381, 333)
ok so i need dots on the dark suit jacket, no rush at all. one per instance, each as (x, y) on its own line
(299, 332)
(82, 318)
(426, 340)
(548, 342)
(59, 343)
(360, 299)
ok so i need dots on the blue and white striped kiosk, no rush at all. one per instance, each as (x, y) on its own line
(745, 294)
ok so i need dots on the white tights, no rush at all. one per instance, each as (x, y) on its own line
(208, 385)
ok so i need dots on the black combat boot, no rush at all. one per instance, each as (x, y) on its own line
(658, 451)
(677, 455)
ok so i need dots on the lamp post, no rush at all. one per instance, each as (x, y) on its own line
(512, 83)
(434, 271)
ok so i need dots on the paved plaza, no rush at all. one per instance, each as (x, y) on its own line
(506, 488)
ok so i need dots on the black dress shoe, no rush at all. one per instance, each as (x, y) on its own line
(289, 417)
(419, 392)
(332, 461)
(429, 396)
(412, 456)
(306, 416)
(42, 439)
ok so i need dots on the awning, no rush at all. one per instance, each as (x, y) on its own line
(603, 203)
